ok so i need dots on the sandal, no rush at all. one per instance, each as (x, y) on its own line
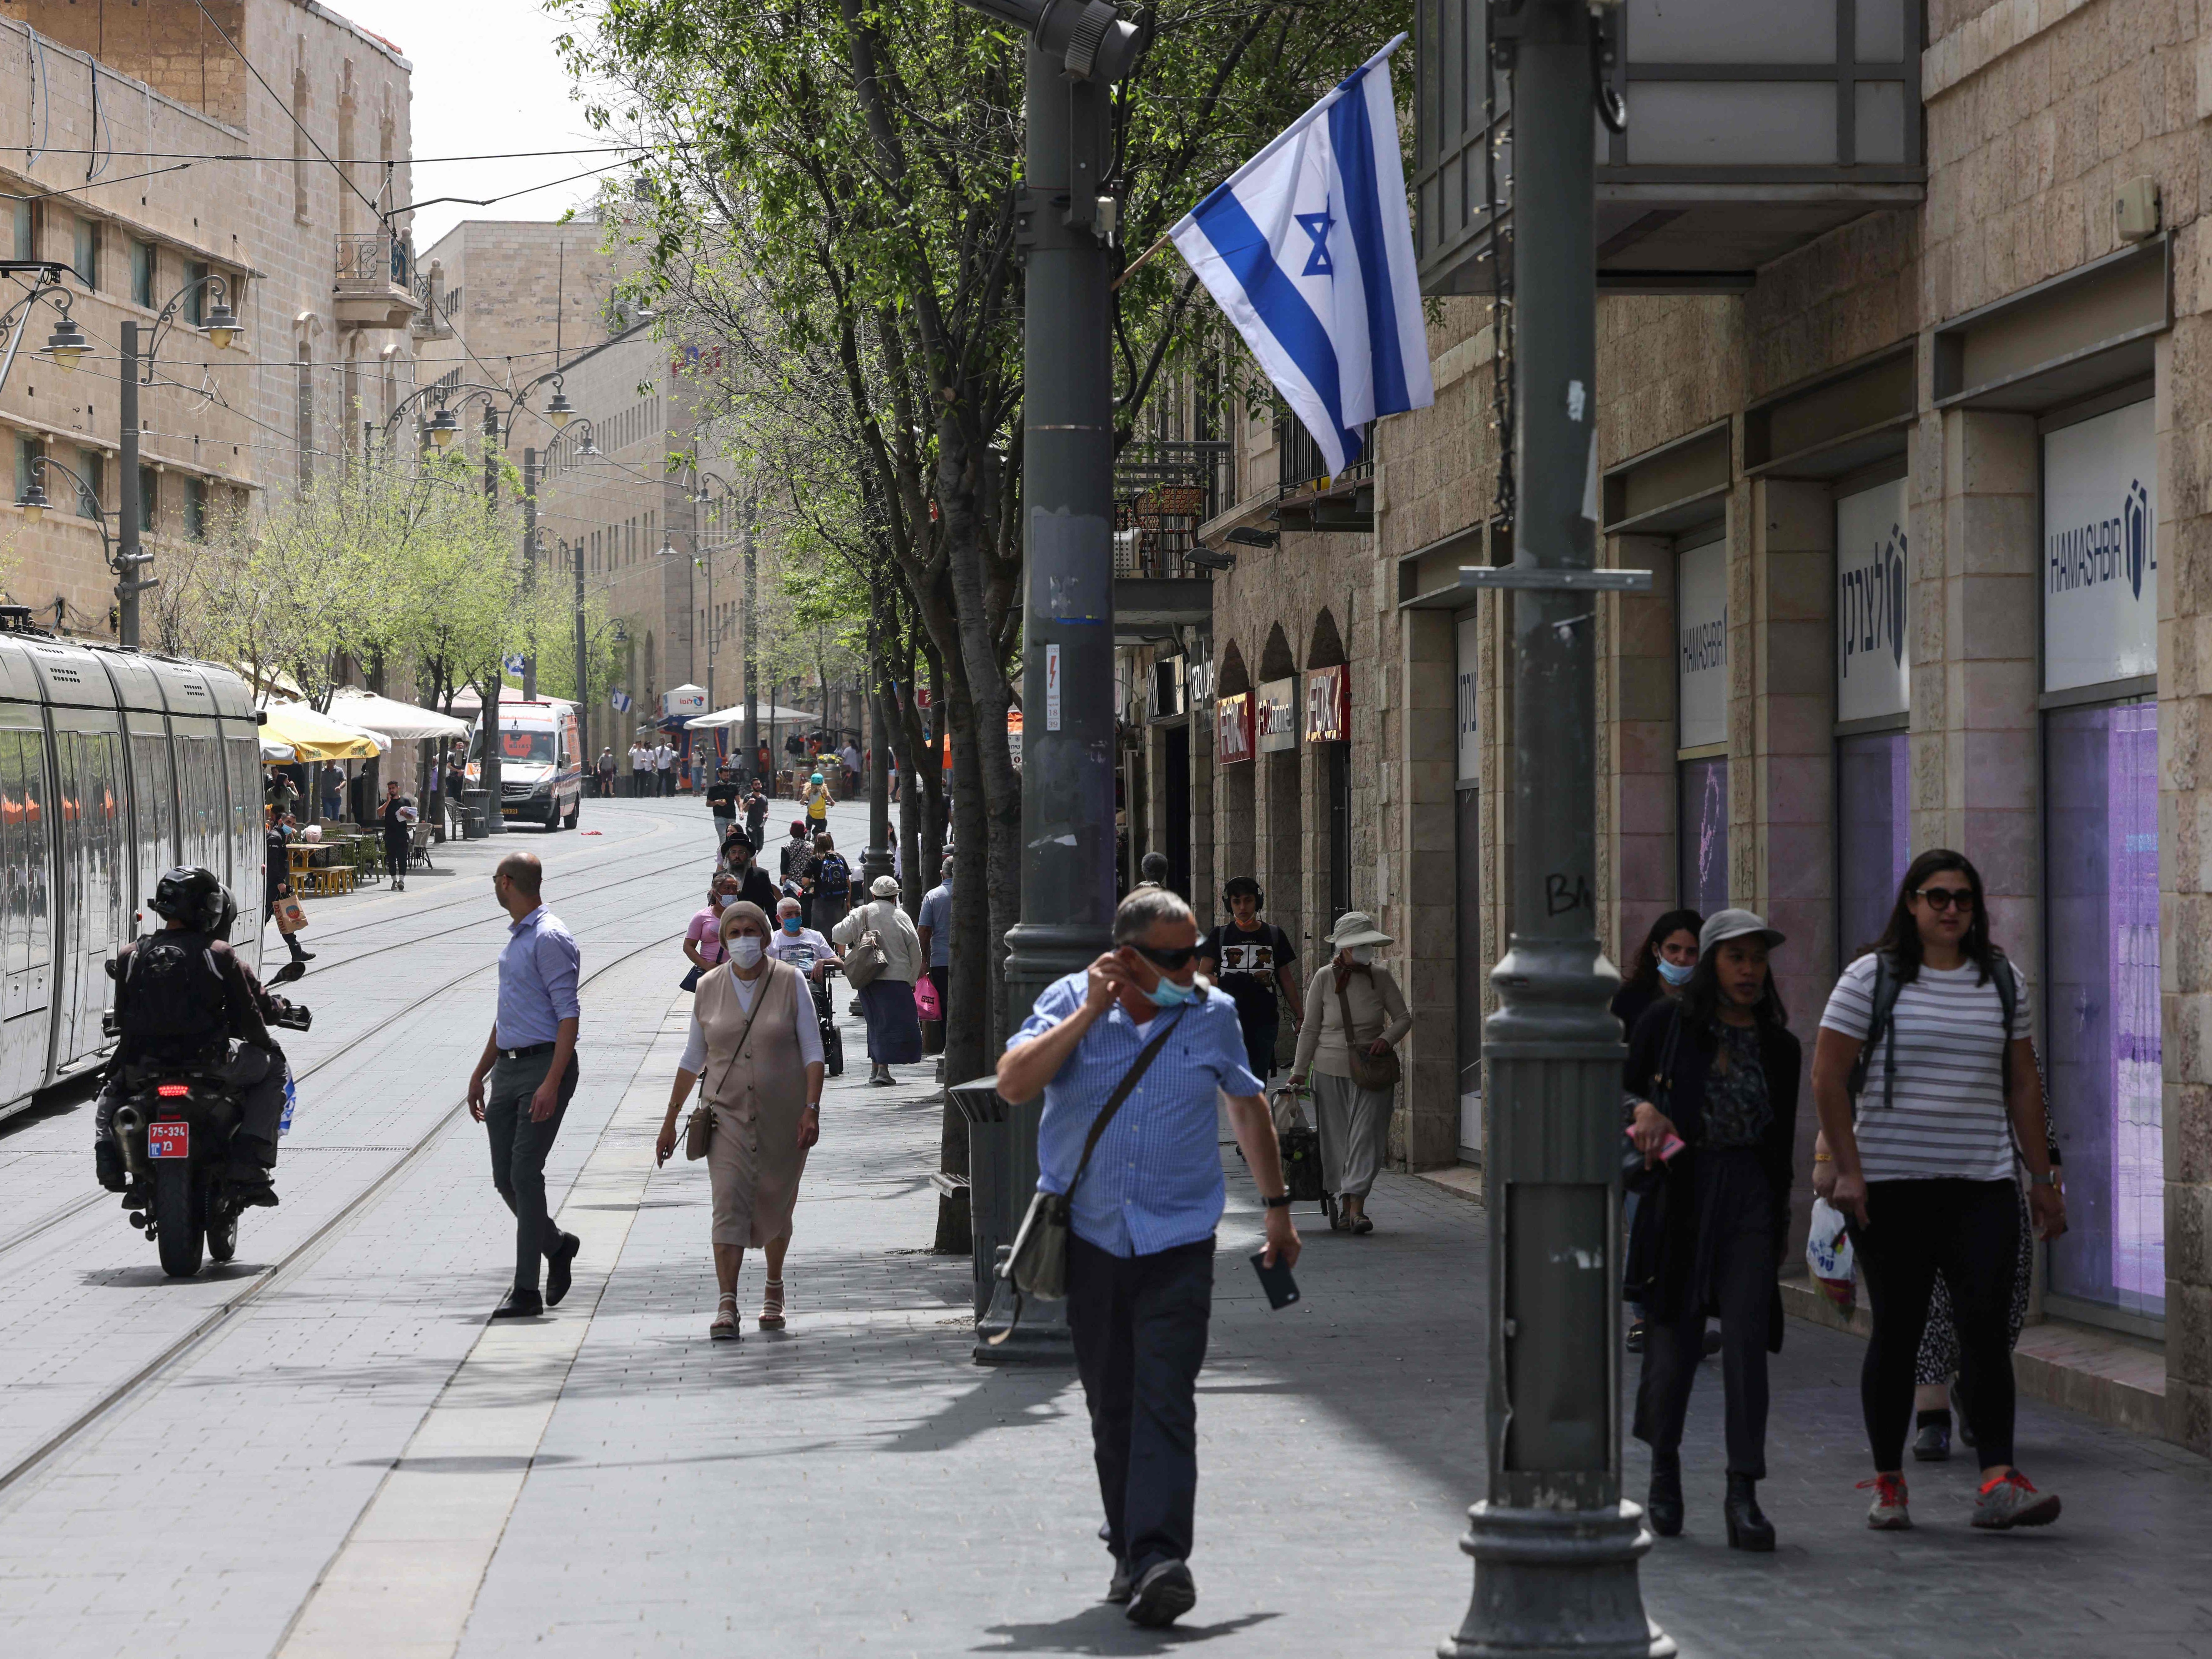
(771, 1313)
(1363, 1223)
(724, 1328)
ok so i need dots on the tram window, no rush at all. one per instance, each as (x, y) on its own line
(15, 877)
(37, 859)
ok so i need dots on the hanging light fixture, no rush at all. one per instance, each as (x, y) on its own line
(444, 429)
(560, 411)
(222, 325)
(32, 501)
(66, 344)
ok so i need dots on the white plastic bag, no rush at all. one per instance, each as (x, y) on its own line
(1289, 1110)
(1828, 1253)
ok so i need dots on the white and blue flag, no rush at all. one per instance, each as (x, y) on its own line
(1308, 249)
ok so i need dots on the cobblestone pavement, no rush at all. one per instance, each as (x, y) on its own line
(356, 1464)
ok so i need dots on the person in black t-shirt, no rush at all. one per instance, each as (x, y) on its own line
(1249, 958)
(722, 801)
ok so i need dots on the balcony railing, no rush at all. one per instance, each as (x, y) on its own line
(375, 259)
(1300, 468)
(1163, 489)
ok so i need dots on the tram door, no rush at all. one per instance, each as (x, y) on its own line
(153, 797)
(203, 816)
(247, 853)
(26, 903)
(88, 773)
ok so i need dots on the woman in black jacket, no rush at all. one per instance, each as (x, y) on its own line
(1711, 1102)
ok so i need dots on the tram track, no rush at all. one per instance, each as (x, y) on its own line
(282, 1271)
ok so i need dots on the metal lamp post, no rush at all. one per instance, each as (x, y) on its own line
(1555, 1548)
(1064, 229)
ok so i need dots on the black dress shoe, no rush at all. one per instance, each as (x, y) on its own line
(557, 1269)
(520, 1304)
(1663, 1503)
(1748, 1529)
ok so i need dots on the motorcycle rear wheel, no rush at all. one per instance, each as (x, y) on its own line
(179, 1219)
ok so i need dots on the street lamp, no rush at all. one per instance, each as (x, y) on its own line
(67, 343)
(444, 427)
(560, 411)
(32, 501)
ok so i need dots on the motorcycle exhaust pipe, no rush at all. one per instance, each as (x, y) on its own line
(128, 1128)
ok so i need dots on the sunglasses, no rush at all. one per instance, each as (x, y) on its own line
(1169, 960)
(1944, 898)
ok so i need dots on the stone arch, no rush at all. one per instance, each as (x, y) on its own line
(1276, 662)
(1326, 649)
(1233, 677)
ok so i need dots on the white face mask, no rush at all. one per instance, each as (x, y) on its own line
(1361, 954)
(745, 950)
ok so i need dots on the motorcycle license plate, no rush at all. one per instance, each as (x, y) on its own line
(168, 1140)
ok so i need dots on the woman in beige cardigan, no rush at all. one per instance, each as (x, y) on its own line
(1355, 1122)
(756, 1048)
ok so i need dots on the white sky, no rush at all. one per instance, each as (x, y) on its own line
(487, 79)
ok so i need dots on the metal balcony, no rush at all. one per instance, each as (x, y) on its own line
(374, 285)
(1164, 490)
(1308, 495)
(1754, 126)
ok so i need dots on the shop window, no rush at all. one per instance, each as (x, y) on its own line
(1873, 836)
(1703, 832)
(1701, 713)
(2102, 1002)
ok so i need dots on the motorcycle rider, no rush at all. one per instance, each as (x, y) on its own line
(183, 998)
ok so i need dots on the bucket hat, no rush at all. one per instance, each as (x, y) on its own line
(1725, 924)
(1357, 927)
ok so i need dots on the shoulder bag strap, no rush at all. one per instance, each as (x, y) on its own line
(768, 981)
(1130, 1079)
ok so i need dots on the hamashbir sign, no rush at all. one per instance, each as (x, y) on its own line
(1701, 658)
(1873, 668)
(2101, 549)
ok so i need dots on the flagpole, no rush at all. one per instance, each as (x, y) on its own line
(1139, 263)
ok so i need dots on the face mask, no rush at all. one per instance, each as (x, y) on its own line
(1675, 974)
(790, 924)
(1169, 994)
(1361, 954)
(745, 950)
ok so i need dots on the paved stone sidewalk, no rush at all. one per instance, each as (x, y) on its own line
(856, 1484)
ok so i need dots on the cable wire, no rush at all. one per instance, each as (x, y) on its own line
(285, 105)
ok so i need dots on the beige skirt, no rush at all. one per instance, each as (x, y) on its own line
(754, 1169)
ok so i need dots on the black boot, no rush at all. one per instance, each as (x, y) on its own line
(107, 1163)
(1663, 1504)
(1933, 1443)
(1748, 1529)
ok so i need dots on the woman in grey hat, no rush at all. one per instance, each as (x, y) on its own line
(1355, 1015)
(887, 1000)
(1711, 1103)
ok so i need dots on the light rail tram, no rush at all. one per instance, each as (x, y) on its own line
(114, 766)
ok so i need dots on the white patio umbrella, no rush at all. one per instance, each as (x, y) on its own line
(403, 722)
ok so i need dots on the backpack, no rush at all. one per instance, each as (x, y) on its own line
(173, 1002)
(833, 876)
(1881, 1028)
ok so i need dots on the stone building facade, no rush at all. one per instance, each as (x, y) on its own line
(97, 100)
(1923, 481)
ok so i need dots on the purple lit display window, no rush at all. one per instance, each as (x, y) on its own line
(1702, 834)
(1873, 836)
(2101, 1002)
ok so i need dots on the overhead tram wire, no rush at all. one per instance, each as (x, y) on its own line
(346, 178)
(371, 161)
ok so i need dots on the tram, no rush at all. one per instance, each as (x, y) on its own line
(114, 766)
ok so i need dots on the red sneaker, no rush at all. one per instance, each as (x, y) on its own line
(2007, 1500)
(1888, 1513)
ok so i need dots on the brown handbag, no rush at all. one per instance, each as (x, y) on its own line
(1376, 1073)
(699, 1128)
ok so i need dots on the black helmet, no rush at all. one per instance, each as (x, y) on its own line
(191, 895)
(224, 922)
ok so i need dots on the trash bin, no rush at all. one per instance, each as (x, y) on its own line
(476, 808)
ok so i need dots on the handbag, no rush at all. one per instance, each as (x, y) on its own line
(1037, 1264)
(1377, 1073)
(291, 915)
(925, 1005)
(865, 961)
(699, 1128)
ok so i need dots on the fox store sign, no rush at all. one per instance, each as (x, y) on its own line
(1872, 669)
(2100, 550)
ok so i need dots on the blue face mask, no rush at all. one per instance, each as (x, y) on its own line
(1169, 994)
(790, 924)
(1674, 974)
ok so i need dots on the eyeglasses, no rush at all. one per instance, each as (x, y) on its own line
(1169, 960)
(1943, 898)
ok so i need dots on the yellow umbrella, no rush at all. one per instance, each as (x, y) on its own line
(316, 737)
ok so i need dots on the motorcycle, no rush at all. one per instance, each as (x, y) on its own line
(173, 1129)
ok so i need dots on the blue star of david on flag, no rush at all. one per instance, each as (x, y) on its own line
(1317, 225)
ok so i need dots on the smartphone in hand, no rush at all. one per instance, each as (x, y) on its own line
(1282, 1290)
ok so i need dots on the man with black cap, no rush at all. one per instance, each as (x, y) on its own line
(1249, 958)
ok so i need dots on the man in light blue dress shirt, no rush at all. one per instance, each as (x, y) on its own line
(1141, 1221)
(530, 1060)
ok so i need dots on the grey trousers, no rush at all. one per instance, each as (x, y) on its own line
(1355, 1132)
(519, 1147)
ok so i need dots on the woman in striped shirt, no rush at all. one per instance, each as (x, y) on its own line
(1925, 1167)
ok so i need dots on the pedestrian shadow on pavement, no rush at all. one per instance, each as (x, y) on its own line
(1105, 1629)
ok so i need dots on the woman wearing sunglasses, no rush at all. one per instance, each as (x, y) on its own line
(1355, 1015)
(1925, 1169)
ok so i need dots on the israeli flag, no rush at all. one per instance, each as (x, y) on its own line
(1308, 249)
(619, 699)
(515, 665)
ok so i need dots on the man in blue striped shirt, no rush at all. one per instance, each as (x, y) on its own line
(530, 1061)
(1141, 1221)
